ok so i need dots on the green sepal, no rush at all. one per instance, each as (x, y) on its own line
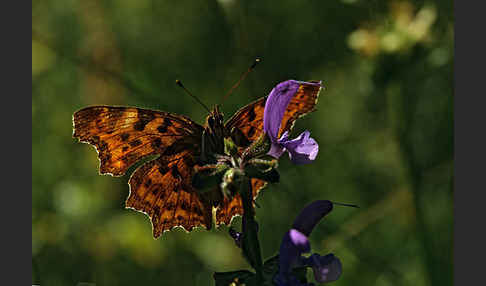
(264, 164)
(263, 169)
(231, 181)
(258, 148)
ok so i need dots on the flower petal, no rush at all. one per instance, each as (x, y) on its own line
(326, 268)
(303, 149)
(275, 106)
(299, 240)
(276, 150)
(311, 215)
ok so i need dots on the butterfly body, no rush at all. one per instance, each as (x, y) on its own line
(163, 188)
(212, 141)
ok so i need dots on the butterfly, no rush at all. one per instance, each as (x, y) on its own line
(162, 188)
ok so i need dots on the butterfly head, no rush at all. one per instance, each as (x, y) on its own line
(215, 118)
(214, 133)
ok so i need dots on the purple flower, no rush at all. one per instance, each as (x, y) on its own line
(303, 149)
(326, 268)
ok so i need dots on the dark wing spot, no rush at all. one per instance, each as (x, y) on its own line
(184, 206)
(139, 125)
(252, 131)
(156, 143)
(148, 183)
(98, 123)
(124, 149)
(124, 136)
(130, 157)
(175, 172)
(92, 112)
(251, 114)
(163, 170)
(176, 147)
(162, 128)
(162, 195)
(170, 206)
(135, 143)
(167, 122)
(144, 117)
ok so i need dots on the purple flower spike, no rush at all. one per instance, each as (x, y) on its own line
(326, 268)
(303, 149)
(294, 243)
(311, 215)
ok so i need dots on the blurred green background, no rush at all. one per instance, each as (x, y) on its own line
(384, 124)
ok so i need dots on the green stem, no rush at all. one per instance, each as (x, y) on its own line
(250, 243)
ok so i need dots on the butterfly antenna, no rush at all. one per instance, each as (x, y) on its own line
(346, 205)
(257, 60)
(179, 83)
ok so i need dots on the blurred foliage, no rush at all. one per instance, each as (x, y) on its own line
(384, 124)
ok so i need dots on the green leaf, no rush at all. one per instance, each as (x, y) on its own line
(258, 148)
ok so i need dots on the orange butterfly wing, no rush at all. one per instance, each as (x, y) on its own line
(160, 188)
(163, 190)
(124, 135)
(246, 126)
(234, 207)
